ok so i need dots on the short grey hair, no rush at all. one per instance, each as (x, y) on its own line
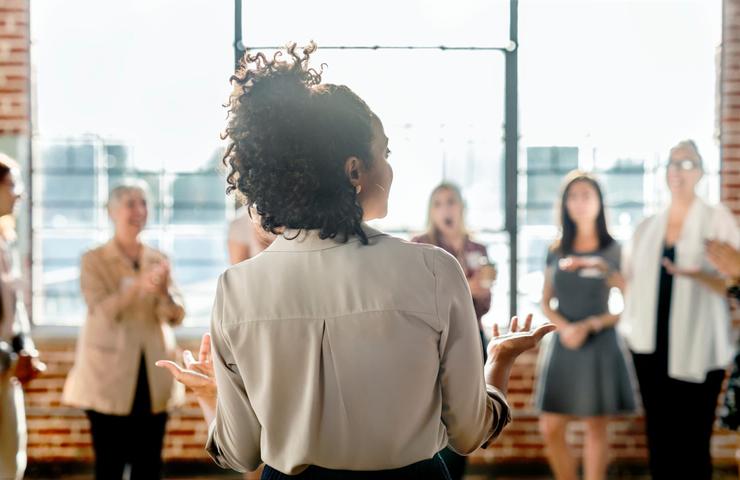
(126, 187)
(690, 145)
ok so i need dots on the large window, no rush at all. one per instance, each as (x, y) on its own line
(128, 89)
(135, 89)
(609, 87)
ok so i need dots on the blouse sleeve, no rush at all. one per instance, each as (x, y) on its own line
(473, 412)
(234, 435)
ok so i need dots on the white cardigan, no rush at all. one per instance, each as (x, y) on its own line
(699, 334)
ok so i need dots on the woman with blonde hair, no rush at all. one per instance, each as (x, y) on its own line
(446, 229)
(132, 305)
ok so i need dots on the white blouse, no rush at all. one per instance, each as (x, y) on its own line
(347, 356)
(699, 334)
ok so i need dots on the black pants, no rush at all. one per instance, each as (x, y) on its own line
(127, 439)
(455, 463)
(134, 439)
(432, 469)
(679, 417)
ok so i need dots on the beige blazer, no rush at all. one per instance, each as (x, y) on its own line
(347, 356)
(112, 339)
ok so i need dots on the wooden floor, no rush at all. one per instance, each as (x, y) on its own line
(717, 476)
(190, 472)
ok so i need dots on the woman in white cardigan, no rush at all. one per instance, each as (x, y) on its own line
(677, 322)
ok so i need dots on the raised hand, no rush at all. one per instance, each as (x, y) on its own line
(503, 350)
(197, 375)
(518, 340)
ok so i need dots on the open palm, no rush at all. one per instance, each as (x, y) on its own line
(519, 339)
(197, 374)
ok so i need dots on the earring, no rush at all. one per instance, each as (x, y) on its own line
(358, 189)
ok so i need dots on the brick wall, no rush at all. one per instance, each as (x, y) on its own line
(58, 434)
(730, 106)
(14, 67)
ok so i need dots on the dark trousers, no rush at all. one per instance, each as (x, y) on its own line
(432, 469)
(127, 439)
(135, 439)
(679, 417)
(455, 463)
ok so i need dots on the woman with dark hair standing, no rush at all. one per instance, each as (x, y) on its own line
(340, 351)
(21, 363)
(446, 229)
(584, 373)
(677, 321)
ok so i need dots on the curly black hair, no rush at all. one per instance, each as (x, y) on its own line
(289, 138)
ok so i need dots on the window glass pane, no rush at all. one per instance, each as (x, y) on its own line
(609, 87)
(112, 105)
(437, 130)
(152, 110)
(382, 22)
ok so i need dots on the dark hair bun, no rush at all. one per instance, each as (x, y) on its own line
(289, 138)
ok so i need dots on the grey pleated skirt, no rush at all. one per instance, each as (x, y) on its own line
(595, 380)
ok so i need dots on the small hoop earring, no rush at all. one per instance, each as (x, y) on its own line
(358, 189)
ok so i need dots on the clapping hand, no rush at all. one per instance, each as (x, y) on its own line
(155, 280)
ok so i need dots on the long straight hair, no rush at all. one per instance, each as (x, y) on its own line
(568, 228)
(432, 231)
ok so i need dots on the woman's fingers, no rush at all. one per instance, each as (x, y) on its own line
(188, 359)
(543, 330)
(496, 331)
(570, 264)
(528, 322)
(173, 368)
(669, 266)
(514, 325)
(204, 356)
(189, 378)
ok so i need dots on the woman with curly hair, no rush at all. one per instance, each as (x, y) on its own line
(340, 351)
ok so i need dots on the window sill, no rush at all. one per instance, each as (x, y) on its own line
(64, 333)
